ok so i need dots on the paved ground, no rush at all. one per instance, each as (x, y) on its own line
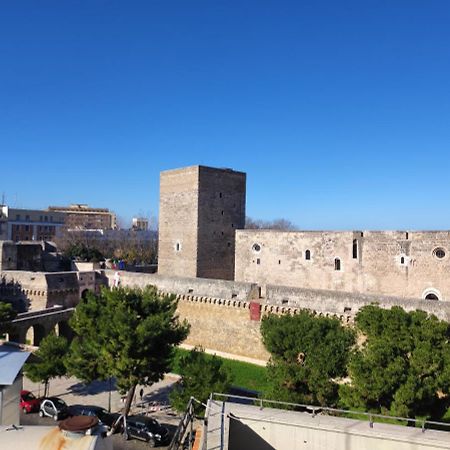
(97, 393)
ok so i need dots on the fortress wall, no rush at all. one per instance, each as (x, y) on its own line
(345, 305)
(202, 287)
(377, 269)
(224, 326)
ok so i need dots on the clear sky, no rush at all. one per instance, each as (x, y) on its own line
(338, 111)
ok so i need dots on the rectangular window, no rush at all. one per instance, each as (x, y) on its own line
(17, 216)
(258, 261)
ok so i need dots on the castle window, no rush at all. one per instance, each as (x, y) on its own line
(355, 249)
(222, 212)
(177, 246)
(407, 235)
(229, 244)
(258, 261)
(308, 255)
(279, 261)
(220, 194)
(337, 264)
(431, 297)
(402, 260)
(256, 248)
(439, 253)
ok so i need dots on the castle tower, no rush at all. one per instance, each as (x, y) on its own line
(200, 210)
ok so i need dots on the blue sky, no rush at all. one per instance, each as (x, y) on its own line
(339, 112)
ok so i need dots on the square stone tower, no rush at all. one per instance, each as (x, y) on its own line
(200, 210)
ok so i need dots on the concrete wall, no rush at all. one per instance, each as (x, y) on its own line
(233, 426)
(200, 209)
(397, 263)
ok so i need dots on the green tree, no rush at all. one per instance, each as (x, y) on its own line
(308, 355)
(7, 314)
(125, 333)
(201, 374)
(50, 361)
(403, 366)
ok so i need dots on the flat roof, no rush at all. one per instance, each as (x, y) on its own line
(11, 362)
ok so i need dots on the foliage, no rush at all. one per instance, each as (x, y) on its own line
(308, 354)
(125, 333)
(133, 246)
(83, 252)
(277, 224)
(403, 367)
(50, 360)
(7, 314)
(201, 374)
(244, 375)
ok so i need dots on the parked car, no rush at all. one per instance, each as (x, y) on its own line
(91, 410)
(53, 407)
(146, 429)
(28, 402)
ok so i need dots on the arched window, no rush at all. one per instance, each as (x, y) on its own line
(431, 297)
(308, 255)
(337, 264)
(402, 260)
(355, 249)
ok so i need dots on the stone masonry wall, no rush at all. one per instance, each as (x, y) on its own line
(396, 263)
(200, 209)
(178, 222)
(345, 305)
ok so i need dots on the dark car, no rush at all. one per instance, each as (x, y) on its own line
(146, 429)
(91, 410)
(28, 402)
(54, 407)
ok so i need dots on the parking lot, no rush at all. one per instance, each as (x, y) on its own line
(154, 403)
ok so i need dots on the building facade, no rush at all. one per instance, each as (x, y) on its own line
(394, 263)
(30, 224)
(200, 210)
(139, 224)
(84, 217)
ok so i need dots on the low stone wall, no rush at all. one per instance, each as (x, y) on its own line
(283, 299)
(203, 287)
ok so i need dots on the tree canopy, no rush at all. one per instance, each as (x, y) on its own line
(201, 374)
(308, 354)
(403, 366)
(125, 333)
(7, 314)
(50, 361)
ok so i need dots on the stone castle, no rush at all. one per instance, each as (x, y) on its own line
(226, 277)
(201, 234)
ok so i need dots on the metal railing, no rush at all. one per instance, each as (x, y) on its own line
(315, 410)
(186, 422)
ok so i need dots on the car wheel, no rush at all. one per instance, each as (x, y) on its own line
(41, 413)
(151, 442)
(55, 417)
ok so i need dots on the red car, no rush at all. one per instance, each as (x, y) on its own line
(28, 402)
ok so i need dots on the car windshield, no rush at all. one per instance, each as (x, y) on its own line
(28, 396)
(59, 402)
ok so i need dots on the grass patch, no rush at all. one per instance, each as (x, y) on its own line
(245, 375)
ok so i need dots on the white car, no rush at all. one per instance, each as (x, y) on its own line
(53, 407)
